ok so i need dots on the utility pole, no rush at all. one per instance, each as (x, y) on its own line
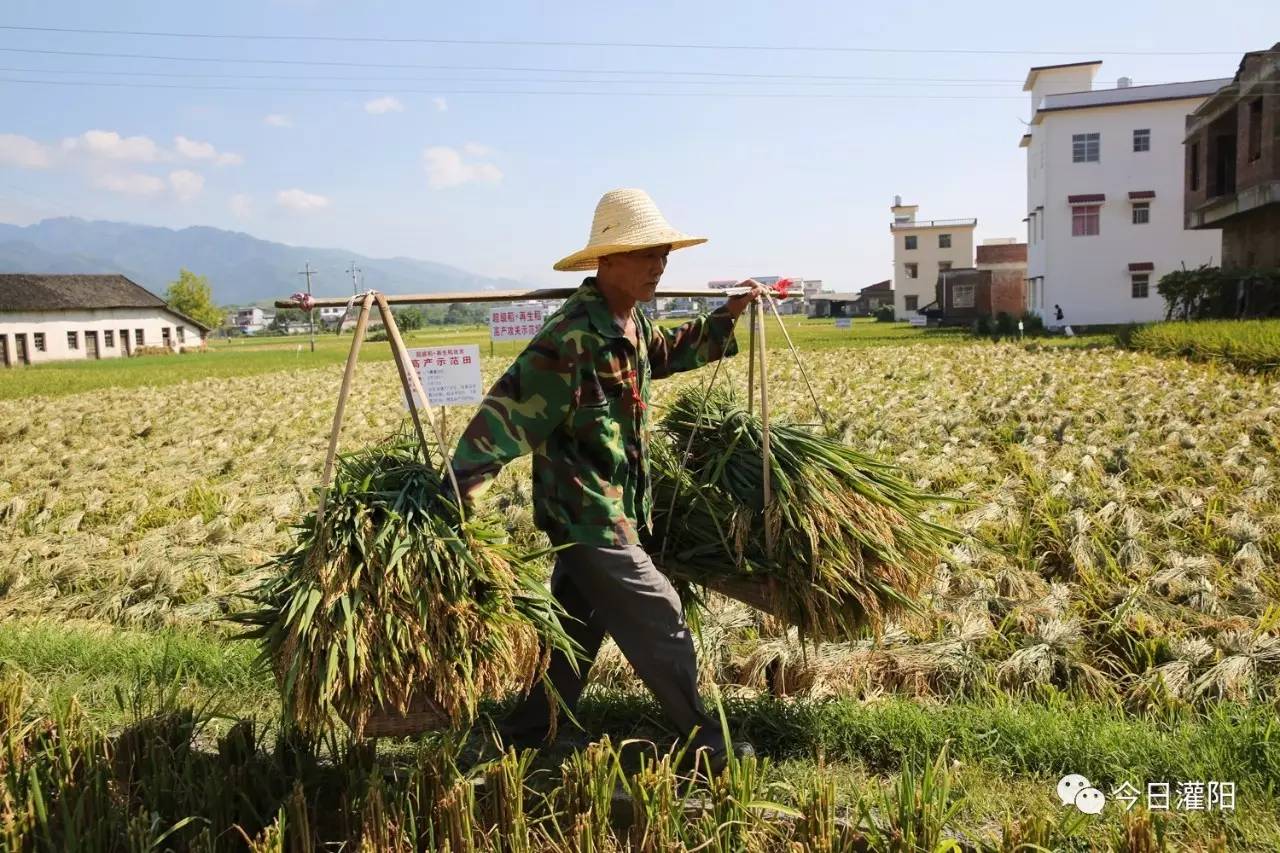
(353, 269)
(311, 314)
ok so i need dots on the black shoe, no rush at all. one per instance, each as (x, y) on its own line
(713, 760)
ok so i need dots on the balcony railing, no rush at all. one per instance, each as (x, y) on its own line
(933, 223)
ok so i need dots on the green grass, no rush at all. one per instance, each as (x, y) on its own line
(1002, 757)
(1056, 735)
(1244, 344)
(251, 356)
(96, 664)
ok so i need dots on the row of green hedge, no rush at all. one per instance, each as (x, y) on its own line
(1245, 344)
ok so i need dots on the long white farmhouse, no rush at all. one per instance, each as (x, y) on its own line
(58, 317)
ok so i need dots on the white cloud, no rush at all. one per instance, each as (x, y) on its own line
(441, 104)
(446, 168)
(301, 200)
(241, 206)
(193, 150)
(475, 149)
(186, 184)
(387, 104)
(278, 120)
(129, 184)
(113, 146)
(23, 152)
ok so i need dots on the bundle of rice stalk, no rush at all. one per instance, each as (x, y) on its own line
(851, 546)
(393, 606)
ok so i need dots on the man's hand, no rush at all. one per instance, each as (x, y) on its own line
(737, 304)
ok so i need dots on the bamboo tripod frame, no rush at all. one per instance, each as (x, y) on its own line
(414, 394)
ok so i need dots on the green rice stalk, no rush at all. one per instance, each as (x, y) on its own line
(852, 545)
(395, 601)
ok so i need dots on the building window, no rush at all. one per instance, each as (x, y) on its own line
(1255, 129)
(1084, 220)
(944, 241)
(911, 302)
(1141, 212)
(137, 337)
(108, 339)
(944, 265)
(962, 296)
(1193, 152)
(73, 340)
(182, 334)
(1084, 147)
(1142, 139)
(37, 341)
(913, 270)
(1141, 284)
(910, 241)
(164, 335)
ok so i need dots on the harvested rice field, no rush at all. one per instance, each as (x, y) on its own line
(1111, 610)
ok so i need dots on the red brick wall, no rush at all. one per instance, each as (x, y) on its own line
(1012, 253)
(1008, 291)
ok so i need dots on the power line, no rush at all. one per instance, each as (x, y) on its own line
(437, 91)
(514, 69)
(885, 81)
(645, 45)
(815, 80)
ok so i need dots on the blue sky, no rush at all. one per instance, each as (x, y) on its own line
(505, 184)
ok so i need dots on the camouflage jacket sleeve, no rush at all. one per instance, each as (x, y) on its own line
(693, 344)
(520, 412)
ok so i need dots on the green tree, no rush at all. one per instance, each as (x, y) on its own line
(191, 295)
(466, 313)
(285, 316)
(409, 319)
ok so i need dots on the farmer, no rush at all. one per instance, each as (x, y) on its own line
(577, 399)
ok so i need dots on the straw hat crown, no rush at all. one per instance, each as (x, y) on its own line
(625, 220)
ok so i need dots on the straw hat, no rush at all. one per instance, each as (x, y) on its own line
(625, 220)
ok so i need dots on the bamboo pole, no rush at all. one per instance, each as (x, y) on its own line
(799, 363)
(491, 296)
(402, 360)
(766, 453)
(362, 323)
(409, 381)
(753, 317)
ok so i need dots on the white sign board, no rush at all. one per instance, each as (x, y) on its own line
(450, 375)
(918, 320)
(844, 322)
(514, 324)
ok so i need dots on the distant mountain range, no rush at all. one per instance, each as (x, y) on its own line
(241, 269)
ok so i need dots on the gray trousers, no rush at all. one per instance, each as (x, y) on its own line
(619, 591)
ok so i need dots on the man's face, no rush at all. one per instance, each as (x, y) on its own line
(635, 273)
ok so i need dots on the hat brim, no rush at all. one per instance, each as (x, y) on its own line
(589, 258)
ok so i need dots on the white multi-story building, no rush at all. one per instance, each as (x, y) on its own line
(1104, 194)
(921, 249)
(59, 317)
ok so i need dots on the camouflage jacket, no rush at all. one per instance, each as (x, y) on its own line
(577, 399)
